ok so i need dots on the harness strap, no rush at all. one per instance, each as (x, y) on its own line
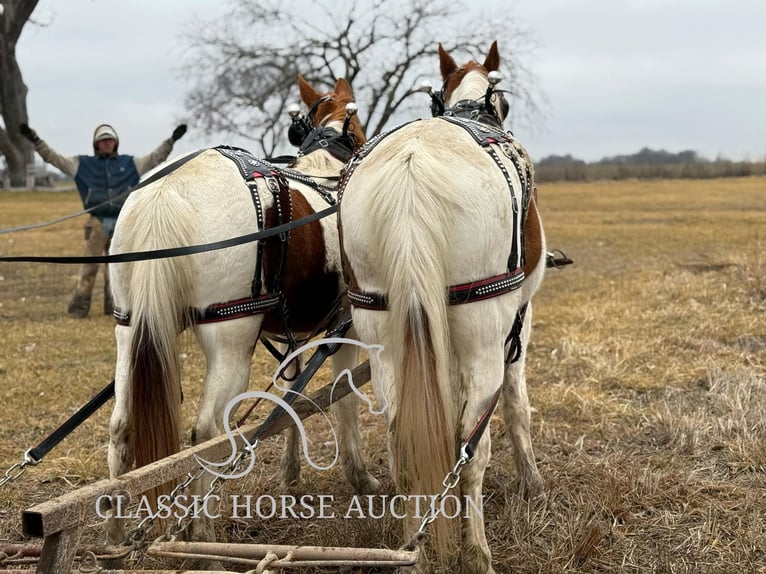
(219, 311)
(168, 168)
(456, 295)
(514, 337)
(235, 309)
(515, 259)
(257, 284)
(37, 453)
(175, 251)
(473, 438)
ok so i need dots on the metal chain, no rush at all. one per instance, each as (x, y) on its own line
(89, 564)
(136, 538)
(18, 469)
(216, 486)
(450, 481)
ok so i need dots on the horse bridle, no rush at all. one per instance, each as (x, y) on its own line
(481, 110)
(308, 137)
(302, 125)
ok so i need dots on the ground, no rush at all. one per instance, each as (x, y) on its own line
(645, 371)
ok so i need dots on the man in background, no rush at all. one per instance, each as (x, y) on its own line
(103, 181)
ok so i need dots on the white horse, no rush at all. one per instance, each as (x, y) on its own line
(432, 216)
(228, 296)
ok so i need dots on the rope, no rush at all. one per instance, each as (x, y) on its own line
(268, 560)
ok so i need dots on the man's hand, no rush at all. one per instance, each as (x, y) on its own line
(179, 132)
(29, 133)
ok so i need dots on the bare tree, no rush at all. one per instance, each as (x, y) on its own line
(13, 92)
(245, 67)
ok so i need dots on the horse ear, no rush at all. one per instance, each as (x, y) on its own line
(342, 88)
(446, 63)
(308, 94)
(492, 61)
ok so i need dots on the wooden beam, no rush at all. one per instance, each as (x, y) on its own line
(60, 514)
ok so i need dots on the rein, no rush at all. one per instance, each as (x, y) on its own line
(35, 455)
(161, 173)
(178, 251)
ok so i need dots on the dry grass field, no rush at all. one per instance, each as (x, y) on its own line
(646, 370)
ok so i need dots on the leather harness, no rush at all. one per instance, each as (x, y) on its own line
(487, 137)
(254, 170)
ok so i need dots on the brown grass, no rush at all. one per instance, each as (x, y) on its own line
(646, 371)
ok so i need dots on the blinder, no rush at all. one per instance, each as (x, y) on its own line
(308, 137)
(301, 125)
(472, 109)
(298, 131)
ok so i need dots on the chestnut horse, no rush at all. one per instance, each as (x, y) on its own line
(230, 296)
(443, 247)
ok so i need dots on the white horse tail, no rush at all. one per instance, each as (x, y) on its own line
(159, 293)
(415, 212)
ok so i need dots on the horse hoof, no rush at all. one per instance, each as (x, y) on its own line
(475, 560)
(531, 488)
(79, 306)
(291, 485)
(368, 484)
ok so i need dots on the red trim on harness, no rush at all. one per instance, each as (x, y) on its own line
(244, 307)
(475, 435)
(457, 294)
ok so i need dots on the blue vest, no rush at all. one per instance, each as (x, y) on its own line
(101, 179)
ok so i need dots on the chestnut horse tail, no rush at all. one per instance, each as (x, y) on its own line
(417, 204)
(160, 293)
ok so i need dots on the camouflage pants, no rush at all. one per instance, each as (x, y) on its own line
(96, 244)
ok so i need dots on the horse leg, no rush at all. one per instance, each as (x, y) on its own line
(228, 348)
(516, 413)
(480, 373)
(290, 464)
(120, 454)
(347, 414)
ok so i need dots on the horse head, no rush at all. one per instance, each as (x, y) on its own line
(469, 89)
(330, 122)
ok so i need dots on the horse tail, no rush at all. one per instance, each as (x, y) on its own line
(415, 212)
(159, 295)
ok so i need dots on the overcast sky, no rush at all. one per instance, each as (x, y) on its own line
(618, 75)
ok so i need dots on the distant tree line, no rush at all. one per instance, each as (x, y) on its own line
(646, 164)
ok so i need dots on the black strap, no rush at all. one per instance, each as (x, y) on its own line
(276, 353)
(514, 337)
(310, 368)
(46, 445)
(179, 251)
(472, 441)
(256, 285)
(168, 168)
